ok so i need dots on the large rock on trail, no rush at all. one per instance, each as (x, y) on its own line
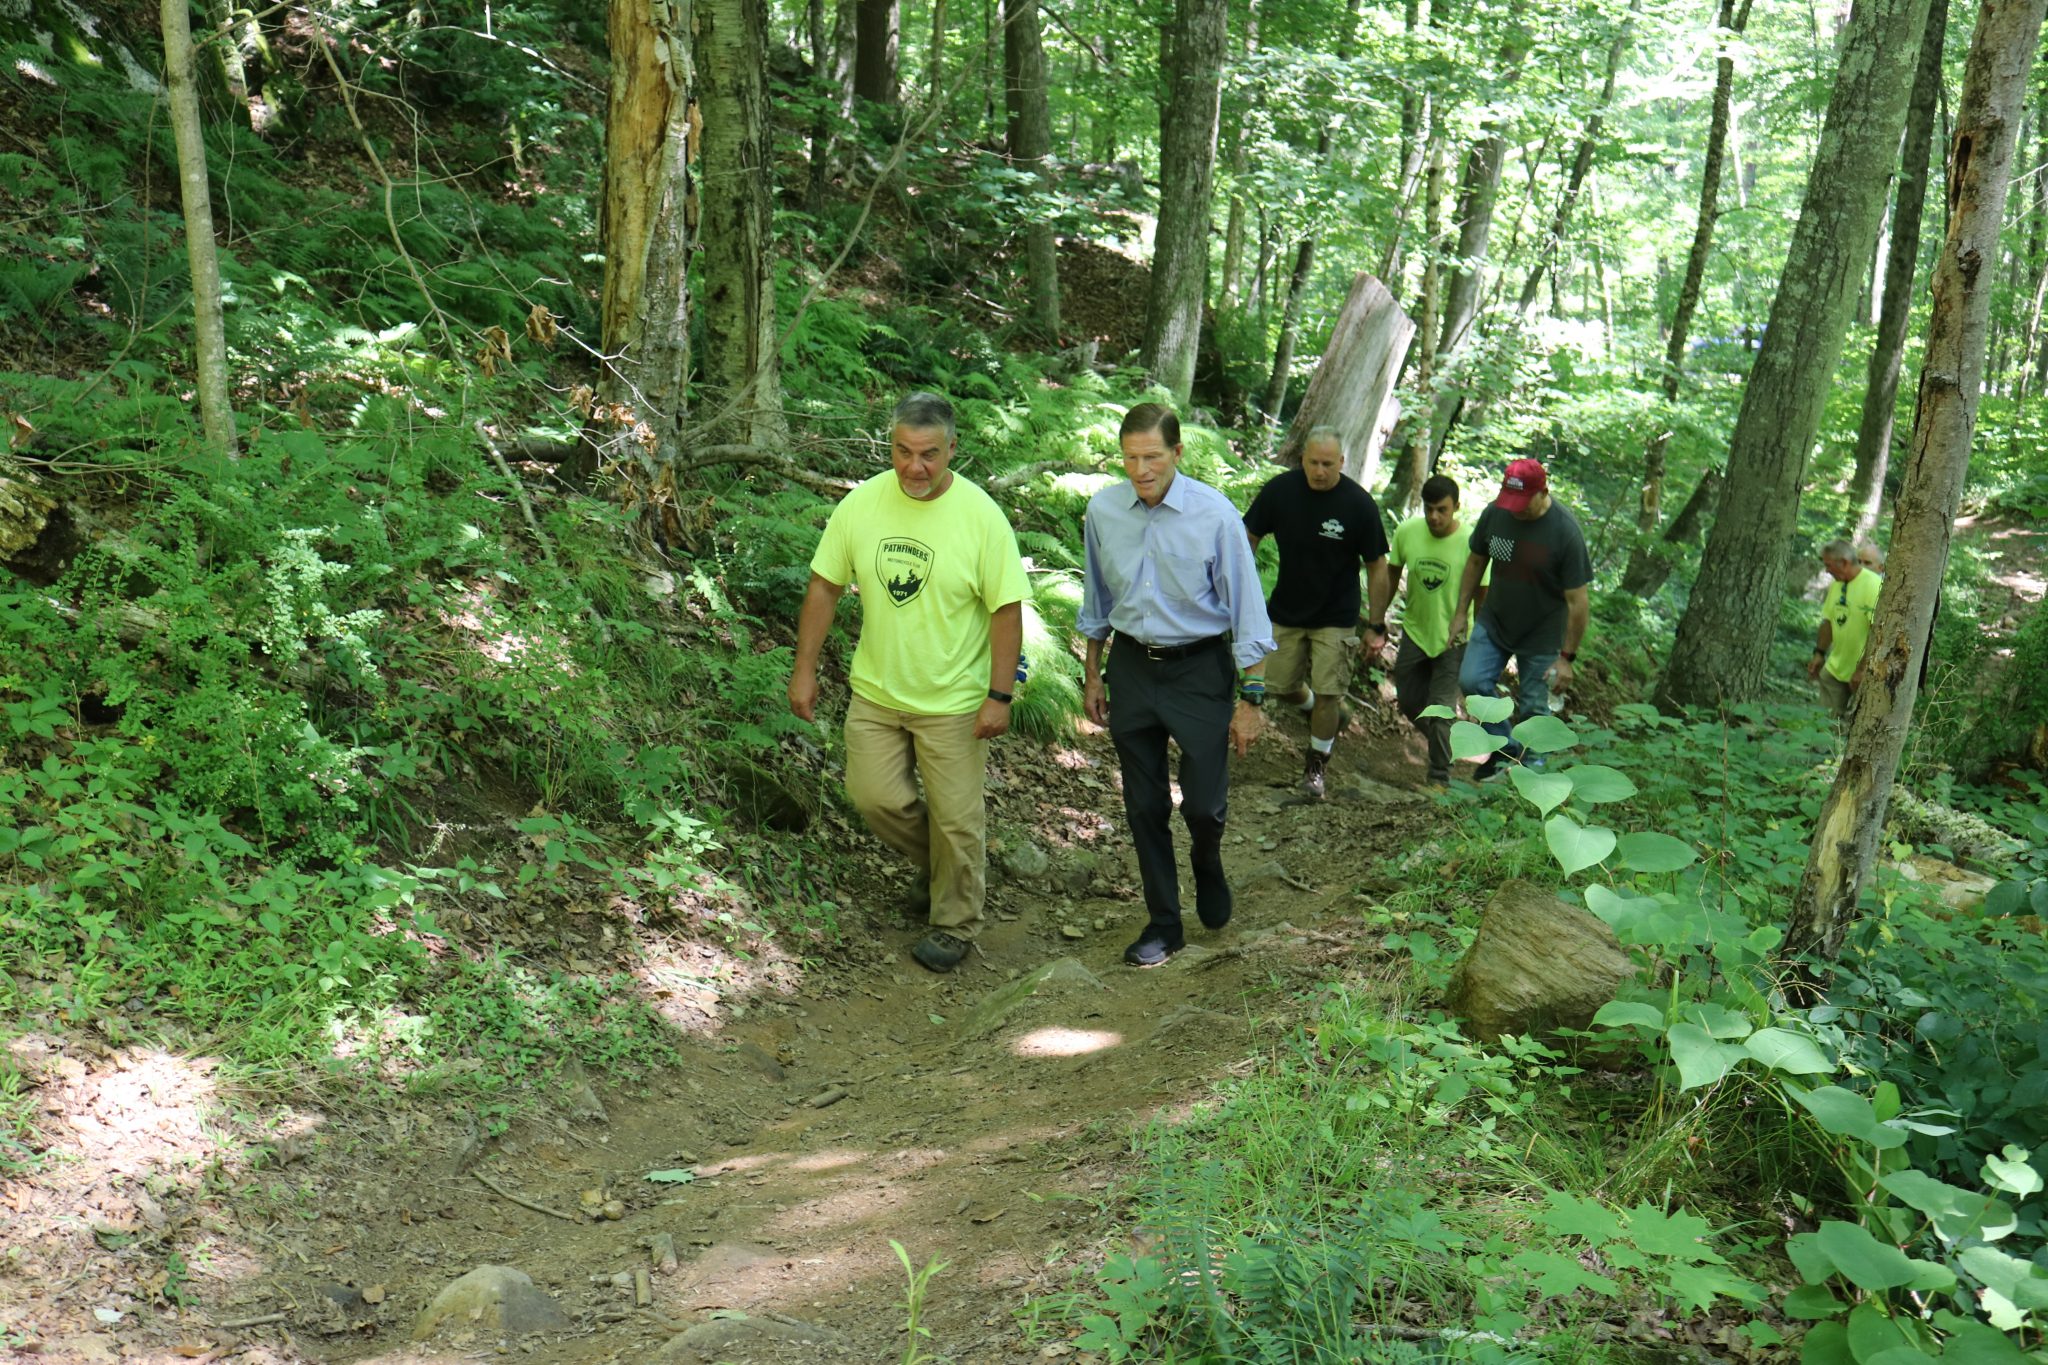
(753, 1341)
(493, 1300)
(995, 1009)
(1537, 965)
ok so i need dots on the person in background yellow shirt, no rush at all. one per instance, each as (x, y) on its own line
(1846, 612)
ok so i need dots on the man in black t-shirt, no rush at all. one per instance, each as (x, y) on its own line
(1325, 526)
(1536, 610)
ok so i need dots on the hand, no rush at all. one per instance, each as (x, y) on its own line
(1559, 674)
(803, 696)
(1856, 678)
(993, 719)
(1374, 646)
(1095, 701)
(1246, 721)
(1457, 632)
(1813, 668)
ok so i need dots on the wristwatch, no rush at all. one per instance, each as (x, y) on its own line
(1256, 697)
(1568, 655)
(1004, 697)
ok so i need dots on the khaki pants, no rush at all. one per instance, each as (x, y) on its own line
(1835, 694)
(1320, 654)
(943, 831)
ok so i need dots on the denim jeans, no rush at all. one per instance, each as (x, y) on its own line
(1485, 661)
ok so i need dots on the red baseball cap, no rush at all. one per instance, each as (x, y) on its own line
(1524, 481)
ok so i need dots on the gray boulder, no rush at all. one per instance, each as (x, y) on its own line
(1537, 965)
(495, 1300)
(752, 1341)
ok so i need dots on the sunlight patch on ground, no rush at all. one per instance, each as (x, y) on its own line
(692, 983)
(1053, 1041)
(831, 1159)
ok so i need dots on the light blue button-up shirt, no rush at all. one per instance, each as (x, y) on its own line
(1172, 574)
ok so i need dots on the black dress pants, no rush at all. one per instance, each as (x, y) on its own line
(1188, 700)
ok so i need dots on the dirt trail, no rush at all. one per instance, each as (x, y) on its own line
(877, 1103)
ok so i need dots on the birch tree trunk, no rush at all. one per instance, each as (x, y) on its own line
(644, 234)
(1030, 144)
(740, 364)
(1851, 825)
(1649, 561)
(821, 125)
(1192, 61)
(1234, 232)
(209, 324)
(1582, 162)
(1887, 354)
(1723, 640)
(1478, 194)
(1404, 489)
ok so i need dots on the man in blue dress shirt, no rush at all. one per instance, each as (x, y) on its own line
(1170, 576)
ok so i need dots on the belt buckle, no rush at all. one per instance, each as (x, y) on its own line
(1157, 653)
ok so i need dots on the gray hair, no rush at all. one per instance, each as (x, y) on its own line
(923, 410)
(1325, 433)
(1838, 550)
(1870, 548)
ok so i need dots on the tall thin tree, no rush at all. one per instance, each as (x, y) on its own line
(1191, 59)
(734, 176)
(210, 343)
(1030, 146)
(1723, 640)
(880, 25)
(1887, 353)
(1845, 841)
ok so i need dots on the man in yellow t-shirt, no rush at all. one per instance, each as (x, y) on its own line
(1430, 550)
(1845, 616)
(942, 620)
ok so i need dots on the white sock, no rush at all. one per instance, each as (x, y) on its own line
(1322, 746)
(1308, 702)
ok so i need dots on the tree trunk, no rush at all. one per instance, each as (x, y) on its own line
(1478, 193)
(1723, 640)
(1192, 60)
(740, 363)
(821, 125)
(1647, 563)
(1233, 234)
(845, 54)
(874, 71)
(935, 60)
(1029, 137)
(209, 326)
(1404, 490)
(1881, 389)
(1647, 571)
(1845, 841)
(1582, 162)
(644, 235)
(1353, 388)
(2037, 261)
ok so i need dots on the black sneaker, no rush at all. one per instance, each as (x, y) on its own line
(940, 951)
(1152, 949)
(1492, 770)
(1213, 901)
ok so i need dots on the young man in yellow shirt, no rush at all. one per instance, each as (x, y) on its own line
(1430, 550)
(941, 592)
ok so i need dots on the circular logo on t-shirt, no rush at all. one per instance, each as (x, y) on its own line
(903, 565)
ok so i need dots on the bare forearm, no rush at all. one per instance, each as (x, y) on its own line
(1005, 643)
(821, 602)
(1093, 662)
(1379, 591)
(1578, 613)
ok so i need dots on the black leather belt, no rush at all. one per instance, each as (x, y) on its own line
(1163, 653)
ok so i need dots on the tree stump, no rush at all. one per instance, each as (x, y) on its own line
(1353, 387)
(1537, 965)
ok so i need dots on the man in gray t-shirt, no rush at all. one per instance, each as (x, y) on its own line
(1536, 610)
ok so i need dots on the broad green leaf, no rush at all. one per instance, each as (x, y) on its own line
(1812, 1302)
(679, 1175)
(1697, 1286)
(2021, 1286)
(1557, 1274)
(1489, 710)
(1761, 1334)
(1826, 1344)
(1957, 1213)
(1848, 1114)
(1899, 1355)
(1546, 791)
(1545, 734)
(1628, 1014)
(1570, 1216)
(1469, 741)
(1871, 1332)
(1576, 846)
(1680, 1236)
(1973, 1343)
(1862, 1260)
(1783, 1050)
(1717, 1019)
(2011, 1173)
(1701, 1060)
(1648, 851)
(1437, 712)
(1594, 783)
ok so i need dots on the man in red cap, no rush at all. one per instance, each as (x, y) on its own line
(1535, 612)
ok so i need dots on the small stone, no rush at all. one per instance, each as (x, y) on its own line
(1072, 931)
(613, 1210)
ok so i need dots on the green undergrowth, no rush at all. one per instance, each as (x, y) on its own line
(1835, 1180)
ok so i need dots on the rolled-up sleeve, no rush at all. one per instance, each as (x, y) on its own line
(1091, 620)
(1238, 588)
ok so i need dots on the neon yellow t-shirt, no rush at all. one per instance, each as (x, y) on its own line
(1434, 566)
(1848, 608)
(930, 574)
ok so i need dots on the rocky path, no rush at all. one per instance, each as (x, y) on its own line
(983, 1120)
